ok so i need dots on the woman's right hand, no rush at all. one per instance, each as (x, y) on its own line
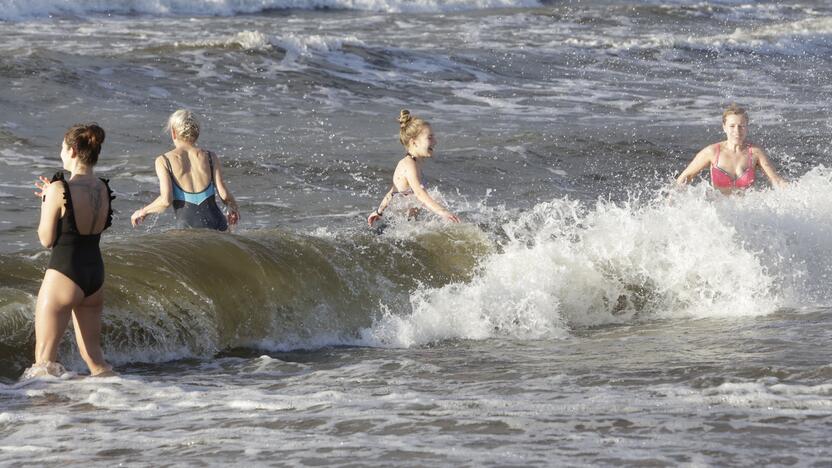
(42, 186)
(374, 216)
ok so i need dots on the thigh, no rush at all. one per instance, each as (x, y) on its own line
(87, 313)
(58, 292)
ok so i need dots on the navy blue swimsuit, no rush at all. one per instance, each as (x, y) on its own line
(77, 255)
(197, 209)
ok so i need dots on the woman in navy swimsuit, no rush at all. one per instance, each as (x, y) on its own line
(74, 213)
(181, 172)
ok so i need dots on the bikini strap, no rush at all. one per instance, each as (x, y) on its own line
(717, 147)
(110, 203)
(750, 156)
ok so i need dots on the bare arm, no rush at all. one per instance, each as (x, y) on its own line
(163, 201)
(768, 168)
(223, 192)
(702, 160)
(50, 212)
(411, 173)
(375, 215)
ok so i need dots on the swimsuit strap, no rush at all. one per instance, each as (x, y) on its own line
(70, 212)
(211, 164)
(750, 155)
(170, 170)
(110, 203)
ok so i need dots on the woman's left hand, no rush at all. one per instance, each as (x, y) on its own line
(137, 217)
(42, 186)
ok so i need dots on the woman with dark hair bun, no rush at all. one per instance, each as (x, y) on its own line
(74, 213)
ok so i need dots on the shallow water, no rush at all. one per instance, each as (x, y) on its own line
(583, 312)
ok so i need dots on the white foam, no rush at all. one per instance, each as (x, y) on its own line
(692, 254)
(788, 37)
(247, 40)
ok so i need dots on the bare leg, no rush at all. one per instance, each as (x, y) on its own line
(56, 297)
(87, 318)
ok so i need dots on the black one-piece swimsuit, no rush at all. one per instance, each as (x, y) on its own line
(77, 255)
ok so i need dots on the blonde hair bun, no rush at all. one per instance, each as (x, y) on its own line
(185, 124)
(404, 118)
(409, 126)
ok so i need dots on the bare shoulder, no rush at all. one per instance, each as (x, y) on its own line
(758, 154)
(708, 152)
(55, 190)
(712, 148)
(406, 164)
(757, 149)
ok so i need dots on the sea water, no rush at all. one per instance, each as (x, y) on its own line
(585, 312)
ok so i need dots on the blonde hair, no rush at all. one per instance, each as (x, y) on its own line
(184, 123)
(409, 126)
(735, 109)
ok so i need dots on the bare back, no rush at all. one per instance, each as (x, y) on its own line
(191, 168)
(90, 204)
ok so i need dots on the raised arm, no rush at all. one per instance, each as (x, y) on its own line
(702, 160)
(768, 168)
(224, 193)
(163, 201)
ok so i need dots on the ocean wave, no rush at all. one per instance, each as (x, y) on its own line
(540, 274)
(810, 35)
(192, 294)
(680, 255)
(20, 10)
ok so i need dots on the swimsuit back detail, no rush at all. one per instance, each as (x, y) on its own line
(197, 209)
(192, 197)
(721, 179)
(77, 255)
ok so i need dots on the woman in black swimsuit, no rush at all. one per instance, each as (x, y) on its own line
(74, 213)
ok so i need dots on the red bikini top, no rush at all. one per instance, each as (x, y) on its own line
(721, 179)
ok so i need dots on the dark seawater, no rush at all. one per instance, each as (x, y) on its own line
(584, 312)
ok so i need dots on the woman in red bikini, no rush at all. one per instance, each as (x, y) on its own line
(733, 162)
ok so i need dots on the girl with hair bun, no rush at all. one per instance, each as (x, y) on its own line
(182, 171)
(418, 139)
(74, 213)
